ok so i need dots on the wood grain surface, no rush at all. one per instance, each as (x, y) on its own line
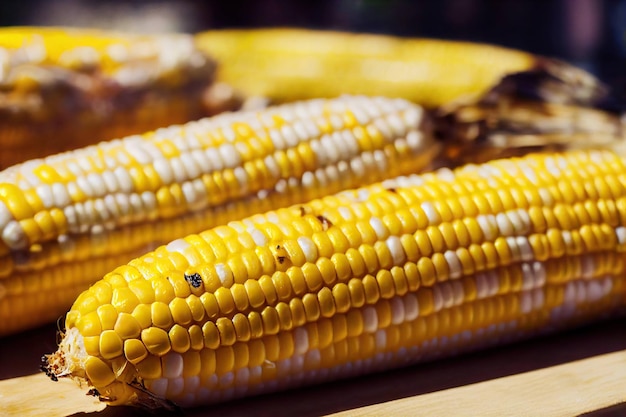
(581, 372)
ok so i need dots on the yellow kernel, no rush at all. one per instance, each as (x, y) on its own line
(491, 254)
(89, 324)
(163, 290)
(269, 289)
(98, 372)
(385, 284)
(442, 269)
(271, 348)
(311, 307)
(150, 368)
(325, 247)
(92, 345)
(423, 243)
(108, 316)
(425, 301)
(326, 302)
(357, 265)
(256, 353)
(143, 290)
(286, 346)
(126, 326)
(341, 295)
(207, 362)
(354, 323)
(256, 324)
(226, 330)
(224, 360)
(271, 322)
(240, 297)
(327, 269)
(211, 335)
(156, 340)
(340, 328)
(225, 300)
(298, 314)
(124, 300)
(282, 282)
(142, 313)
(179, 338)
(412, 276)
(134, 351)
(339, 241)
(209, 302)
(312, 277)
(342, 266)
(196, 337)
(284, 316)
(370, 286)
(242, 327)
(381, 258)
(357, 292)
(427, 272)
(161, 315)
(196, 307)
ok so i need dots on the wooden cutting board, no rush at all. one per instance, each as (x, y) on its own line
(574, 373)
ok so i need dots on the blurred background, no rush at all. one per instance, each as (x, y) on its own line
(588, 33)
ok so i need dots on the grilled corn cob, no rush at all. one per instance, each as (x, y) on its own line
(67, 219)
(395, 273)
(291, 64)
(66, 88)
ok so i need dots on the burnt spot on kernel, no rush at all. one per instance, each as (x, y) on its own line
(326, 224)
(195, 280)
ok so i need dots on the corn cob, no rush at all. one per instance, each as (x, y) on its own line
(291, 64)
(67, 219)
(383, 276)
(65, 88)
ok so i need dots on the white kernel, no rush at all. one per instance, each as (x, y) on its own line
(164, 170)
(411, 308)
(454, 264)
(44, 192)
(379, 228)
(172, 364)
(431, 213)
(308, 248)
(5, 215)
(224, 274)
(14, 236)
(176, 386)
(97, 184)
(526, 251)
(301, 341)
(588, 267)
(488, 225)
(123, 179)
(437, 298)
(482, 285)
(447, 295)
(157, 386)
(137, 149)
(85, 186)
(189, 163)
(397, 251)
(538, 298)
(370, 320)
(178, 169)
(504, 225)
(178, 245)
(397, 310)
(380, 340)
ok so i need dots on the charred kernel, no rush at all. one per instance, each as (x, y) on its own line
(195, 280)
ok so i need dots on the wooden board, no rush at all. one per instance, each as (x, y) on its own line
(574, 373)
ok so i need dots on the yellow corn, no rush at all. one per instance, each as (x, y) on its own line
(290, 64)
(395, 273)
(62, 88)
(67, 219)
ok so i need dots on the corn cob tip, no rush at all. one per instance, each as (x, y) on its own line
(71, 360)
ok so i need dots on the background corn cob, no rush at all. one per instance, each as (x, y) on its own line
(67, 219)
(65, 88)
(395, 273)
(292, 64)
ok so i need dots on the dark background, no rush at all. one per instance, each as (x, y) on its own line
(589, 33)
